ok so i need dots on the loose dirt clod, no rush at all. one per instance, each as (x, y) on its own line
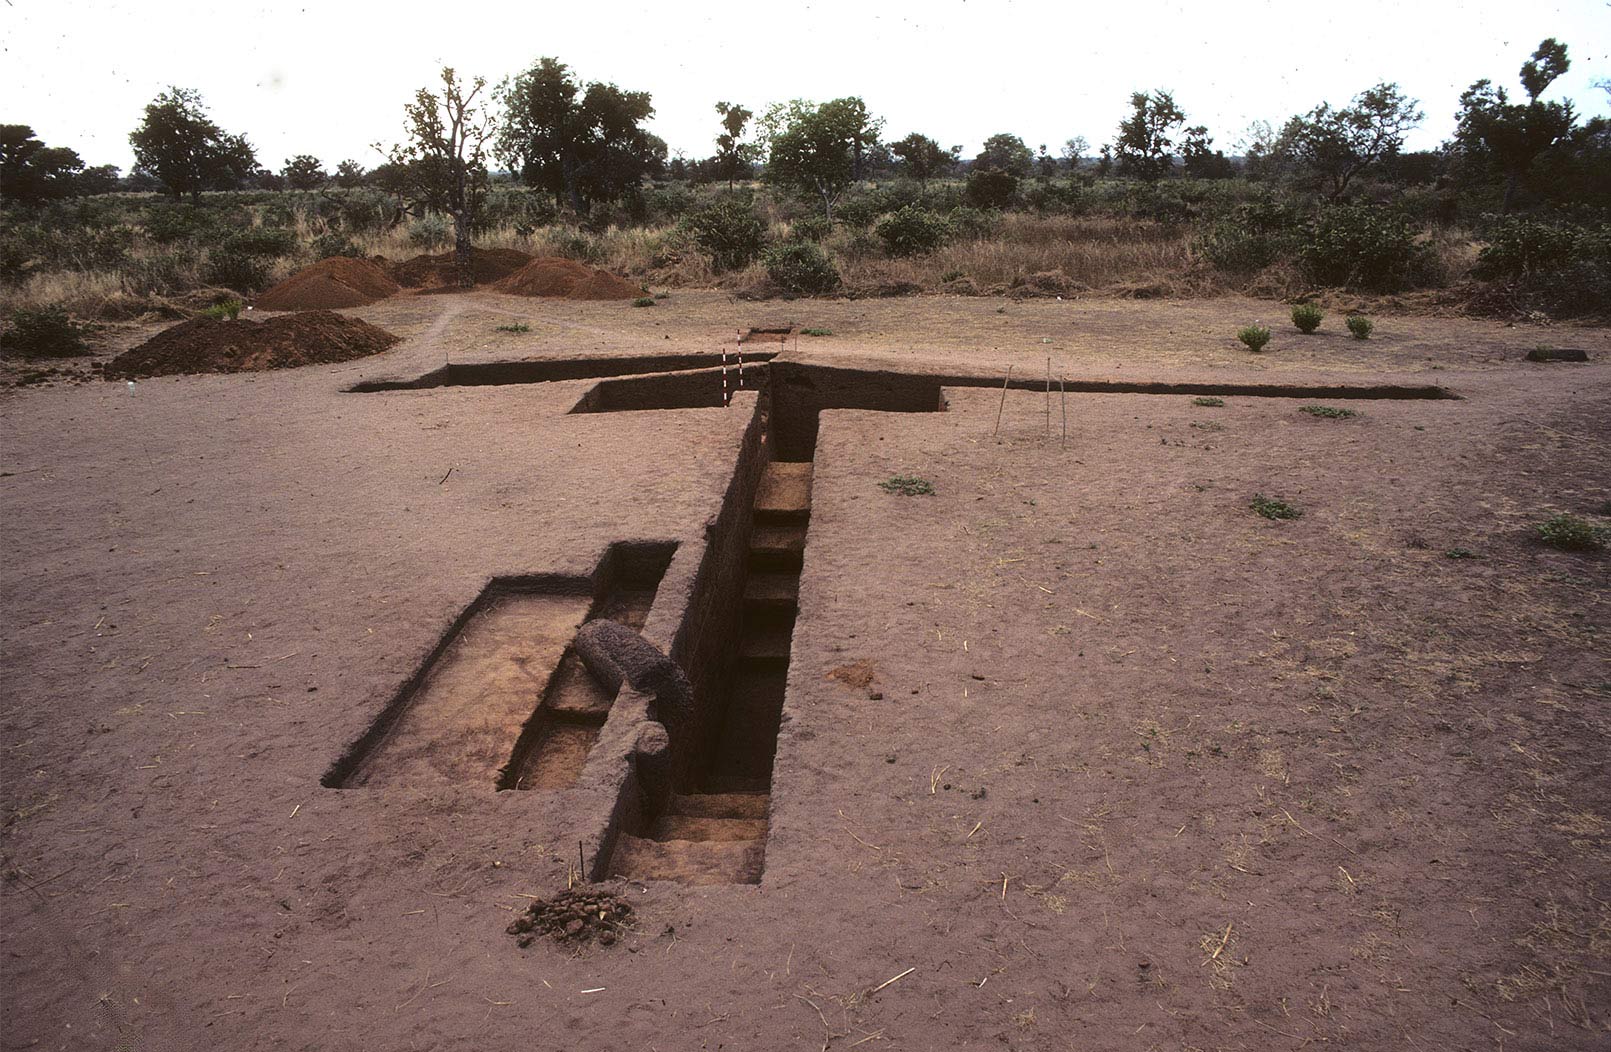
(328, 285)
(567, 279)
(579, 915)
(209, 345)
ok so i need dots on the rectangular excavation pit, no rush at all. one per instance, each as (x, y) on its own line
(476, 710)
(538, 371)
(697, 389)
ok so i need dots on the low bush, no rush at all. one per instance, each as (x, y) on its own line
(236, 270)
(430, 232)
(913, 231)
(729, 232)
(1255, 337)
(1252, 237)
(801, 268)
(1208, 402)
(1360, 326)
(813, 228)
(1570, 533)
(1563, 268)
(43, 333)
(261, 242)
(230, 308)
(1360, 246)
(908, 486)
(644, 301)
(1328, 412)
(1271, 508)
(333, 243)
(990, 188)
(1307, 317)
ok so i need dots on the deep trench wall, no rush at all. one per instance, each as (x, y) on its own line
(693, 389)
(799, 392)
(705, 644)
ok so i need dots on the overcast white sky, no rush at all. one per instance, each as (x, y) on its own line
(330, 78)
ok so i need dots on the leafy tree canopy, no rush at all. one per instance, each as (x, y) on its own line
(180, 146)
(817, 150)
(31, 172)
(1335, 145)
(1144, 147)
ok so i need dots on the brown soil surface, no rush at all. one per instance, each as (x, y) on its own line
(329, 284)
(487, 265)
(567, 279)
(1149, 770)
(208, 345)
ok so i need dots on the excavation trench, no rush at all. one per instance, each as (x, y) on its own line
(539, 371)
(674, 789)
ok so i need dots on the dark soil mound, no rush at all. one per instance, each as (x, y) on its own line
(567, 279)
(209, 345)
(432, 272)
(329, 284)
(577, 915)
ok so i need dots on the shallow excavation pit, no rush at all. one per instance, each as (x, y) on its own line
(501, 701)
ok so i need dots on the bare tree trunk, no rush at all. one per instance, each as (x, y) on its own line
(463, 264)
(1510, 191)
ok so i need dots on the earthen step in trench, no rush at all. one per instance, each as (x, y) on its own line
(687, 827)
(777, 546)
(766, 639)
(784, 493)
(689, 861)
(735, 784)
(771, 591)
(720, 805)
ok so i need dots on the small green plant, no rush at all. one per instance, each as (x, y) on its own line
(643, 301)
(913, 231)
(1360, 326)
(1255, 337)
(1208, 401)
(1307, 317)
(1459, 553)
(518, 326)
(816, 332)
(728, 231)
(908, 486)
(1570, 533)
(1274, 509)
(44, 333)
(230, 308)
(335, 243)
(1329, 412)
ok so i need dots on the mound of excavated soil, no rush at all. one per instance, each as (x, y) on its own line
(567, 279)
(486, 266)
(210, 345)
(331, 283)
(578, 915)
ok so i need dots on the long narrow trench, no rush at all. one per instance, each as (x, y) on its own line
(713, 829)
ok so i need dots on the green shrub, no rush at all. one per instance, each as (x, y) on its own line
(728, 231)
(167, 224)
(430, 231)
(1460, 553)
(235, 270)
(1251, 238)
(160, 273)
(990, 188)
(261, 242)
(1360, 246)
(813, 228)
(1328, 412)
(1208, 402)
(913, 231)
(44, 333)
(1360, 326)
(801, 268)
(230, 308)
(1573, 534)
(908, 486)
(1307, 317)
(335, 244)
(816, 332)
(1560, 267)
(643, 301)
(1274, 509)
(972, 223)
(518, 326)
(1255, 336)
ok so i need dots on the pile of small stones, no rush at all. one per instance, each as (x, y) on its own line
(578, 915)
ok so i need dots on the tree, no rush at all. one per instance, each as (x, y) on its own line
(178, 144)
(732, 154)
(922, 158)
(816, 150)
(31, 172)
(443, 164)
(1006, 153)
(304, 172)
(1073, 150)
(102, 179)
(1144, 147)
(1198, 157)
(1336, 145)
(1510, 137)
(581, 145)
(349, 174)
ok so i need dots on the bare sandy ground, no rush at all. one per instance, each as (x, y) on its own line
(1147, 770)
